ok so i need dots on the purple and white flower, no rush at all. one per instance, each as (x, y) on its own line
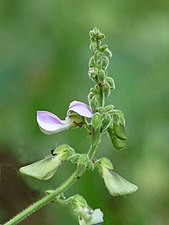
(49, 123)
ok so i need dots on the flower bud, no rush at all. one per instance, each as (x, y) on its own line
(105, 62)
(110, 82)
(92, 62)
(96, 56)
(106, 89)
(90, 96)
(83, 159)
(118, 143)
(103, 48)
(95, 34)
(96, 121)
(63, 152)
(93, 45)
(109, 109)
(94, 103)
(107, 53)
(106, 120)
(101, 76)
(119, 123)
(120, 132)
(92, 72)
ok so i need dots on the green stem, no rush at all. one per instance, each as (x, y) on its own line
(47, 199)
(95, 142)
(52, 196)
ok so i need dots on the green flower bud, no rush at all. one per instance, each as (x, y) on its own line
(95, 34)
(96, 89)
(101, 76)
(93, 45)
(105, 62)
(103, 48)
(97, 56)
(83, 159)
(110, 82)
(92, 62)
(107, 53)
(101, 109)
(106, 89)
(90, 96)
(120, 132)
(94, 103)
(118, 117)
(92, 72)
(106, 120)
(109, 109)
(118, 143)
(74, 158)
(96, 121)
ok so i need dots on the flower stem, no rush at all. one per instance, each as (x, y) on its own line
(52, 196)
(47, 199)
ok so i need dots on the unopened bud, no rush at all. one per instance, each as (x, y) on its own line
(109, 108)
(111, 82)
(96, 56)
(118, 143)
(106, 121)
(90, 96)
(93, 45)
(101, 76)
(96, 121)
(103, 48)
(94, 103)
(93, 73)
(106, 89)
(120, 132)
(92, 62)
(107, 53)
(105, 62)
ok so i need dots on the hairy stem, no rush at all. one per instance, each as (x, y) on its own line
(47, 199)
(52, 196)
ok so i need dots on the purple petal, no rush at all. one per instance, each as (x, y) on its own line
(50, 123)
(81, 108)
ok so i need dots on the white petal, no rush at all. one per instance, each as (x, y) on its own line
(97, 217)
(116, 184)
(43, 169)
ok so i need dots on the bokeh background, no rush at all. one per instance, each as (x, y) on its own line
(43, 66)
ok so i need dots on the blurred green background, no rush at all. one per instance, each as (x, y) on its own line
(43, 66)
